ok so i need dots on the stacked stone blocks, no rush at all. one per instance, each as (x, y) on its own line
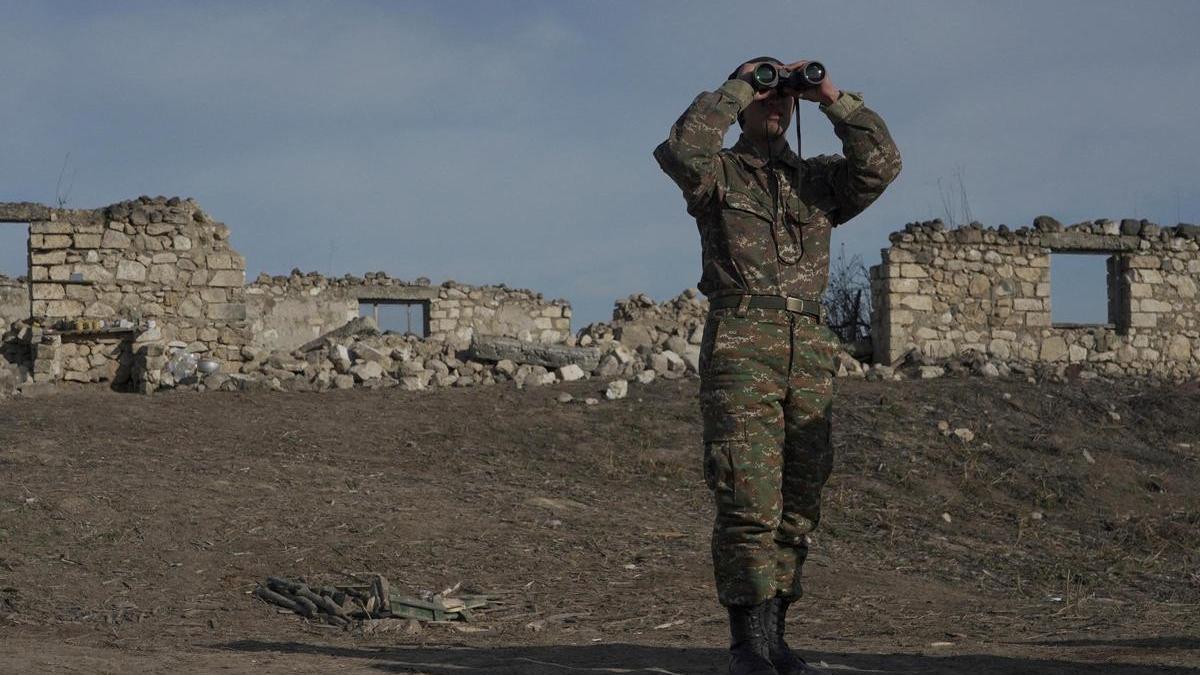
(287, 311)
(945, 293)
(150, 262)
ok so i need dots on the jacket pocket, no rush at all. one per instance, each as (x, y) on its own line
(739, 201)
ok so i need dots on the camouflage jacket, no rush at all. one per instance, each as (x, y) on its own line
(756, 239)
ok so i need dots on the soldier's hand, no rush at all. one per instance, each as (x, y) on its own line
(746, 75)
(824, 94)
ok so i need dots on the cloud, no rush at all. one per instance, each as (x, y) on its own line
(492, 142)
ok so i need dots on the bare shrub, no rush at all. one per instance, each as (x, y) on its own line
(847, 300)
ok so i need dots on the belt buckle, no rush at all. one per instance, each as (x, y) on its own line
(742, 307)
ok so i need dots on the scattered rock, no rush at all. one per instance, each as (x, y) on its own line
(359, 326)
(617, 389)
(931, 372)
(550, 356)
(506, 367)
(609, 366)
(570, 373)
(366, 370)
(1047, 224)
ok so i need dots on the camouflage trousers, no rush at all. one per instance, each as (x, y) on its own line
(766, 394)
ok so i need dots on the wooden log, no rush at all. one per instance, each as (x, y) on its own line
(325, 604)
(334, 620)
(276, 599)
(305, 607)
(282, 585)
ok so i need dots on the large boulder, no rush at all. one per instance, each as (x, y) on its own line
(359, 326)
(549, 356)
(634, 335)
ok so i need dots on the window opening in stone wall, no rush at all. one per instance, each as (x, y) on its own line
(1085, 289)
(397, 316)
(14, 250)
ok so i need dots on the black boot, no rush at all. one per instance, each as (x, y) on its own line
(750, 652)
(786, 661)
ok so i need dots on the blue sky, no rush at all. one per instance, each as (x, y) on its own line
(510, 141)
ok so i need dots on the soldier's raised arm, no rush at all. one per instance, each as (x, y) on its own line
(871, 160)
(689, 155)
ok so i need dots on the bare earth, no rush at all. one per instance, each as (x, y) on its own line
(132, 530)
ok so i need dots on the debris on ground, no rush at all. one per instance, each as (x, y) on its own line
(341, 605)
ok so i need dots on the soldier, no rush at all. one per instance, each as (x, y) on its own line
(767, 362)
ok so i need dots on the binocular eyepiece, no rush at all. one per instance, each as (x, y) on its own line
(770, 76)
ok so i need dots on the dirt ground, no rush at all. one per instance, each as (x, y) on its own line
(1063, 538)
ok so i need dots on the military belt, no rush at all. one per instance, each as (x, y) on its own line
(810, 308)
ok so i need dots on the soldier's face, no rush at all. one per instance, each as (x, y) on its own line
(768, 118)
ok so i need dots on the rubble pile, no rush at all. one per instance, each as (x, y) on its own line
(645, 341)
(640, 322)
(915, 365)
(644, 335)
(360, 356)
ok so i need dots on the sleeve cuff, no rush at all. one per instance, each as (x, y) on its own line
(846, 105)
(738, 90)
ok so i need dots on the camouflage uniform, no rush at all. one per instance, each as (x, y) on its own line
(767, 374)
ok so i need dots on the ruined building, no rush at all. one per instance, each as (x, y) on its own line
(945, 293)
(119, 294)
(110, 293)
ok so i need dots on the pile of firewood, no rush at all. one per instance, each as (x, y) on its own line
(342, 605)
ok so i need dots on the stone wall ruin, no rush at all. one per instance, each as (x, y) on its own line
(986, 291)
(110, 289)
(113, 294)
(289, 311)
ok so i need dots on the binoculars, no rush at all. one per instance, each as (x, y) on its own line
(770, 76)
